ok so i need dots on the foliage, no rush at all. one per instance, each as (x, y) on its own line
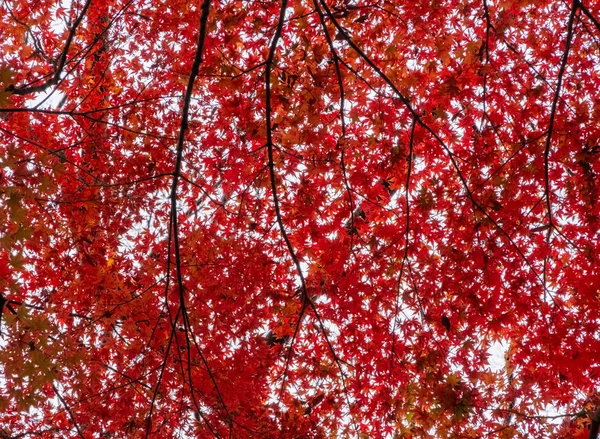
(299, 219)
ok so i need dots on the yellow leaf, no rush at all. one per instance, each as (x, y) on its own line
(453, 380)
(507, 433)
(17, 261)
(6, 79)
(4, 98)
(6, 76)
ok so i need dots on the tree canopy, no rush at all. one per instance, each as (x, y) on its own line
(299, 218)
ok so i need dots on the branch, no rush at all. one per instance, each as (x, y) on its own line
(174, 225)
(561, 72)
(547, 189)
(40, 433)
(160, 376)
(595, 424)
(435, 135)
(407, 237)
(589, 15)
(538, 417)
(488, 26)
(338, 73)
(272, 176)
(62, 59)
(69, 411)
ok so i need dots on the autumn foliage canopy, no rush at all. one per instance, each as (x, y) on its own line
(299, 218)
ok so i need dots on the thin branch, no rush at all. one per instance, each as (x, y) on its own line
(435, 135)
(547, 188)
(160, 376)
(595, 424)
(337, 361)
(272, 174)
(589, 15)
(406, 239)
(62, 59)
(69, 411)
(30, 433)
(273, 178)
(488, 26)
(338, 72)
(198, 58)
(539, 417)
(561, 72)
(174, 225)
(208, 369)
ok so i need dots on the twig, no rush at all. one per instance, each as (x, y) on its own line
(69, 411)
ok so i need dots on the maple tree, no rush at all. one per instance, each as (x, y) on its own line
(293, 219)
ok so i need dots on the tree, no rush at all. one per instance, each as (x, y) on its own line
(294, 219)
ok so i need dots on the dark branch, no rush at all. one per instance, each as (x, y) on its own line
(595, 424)
(272, 175)
(435, 135)
(561, 72)
(406, 237)
(589, 15)
(62, 59)
(69, 411)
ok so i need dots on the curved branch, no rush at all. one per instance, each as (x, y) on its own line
(435, 135)
(62, 59)
(561, 72)
(272, 176)
(338, 73)
(589, 15)
(69, 411)
(406, 239)
(174, 225)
